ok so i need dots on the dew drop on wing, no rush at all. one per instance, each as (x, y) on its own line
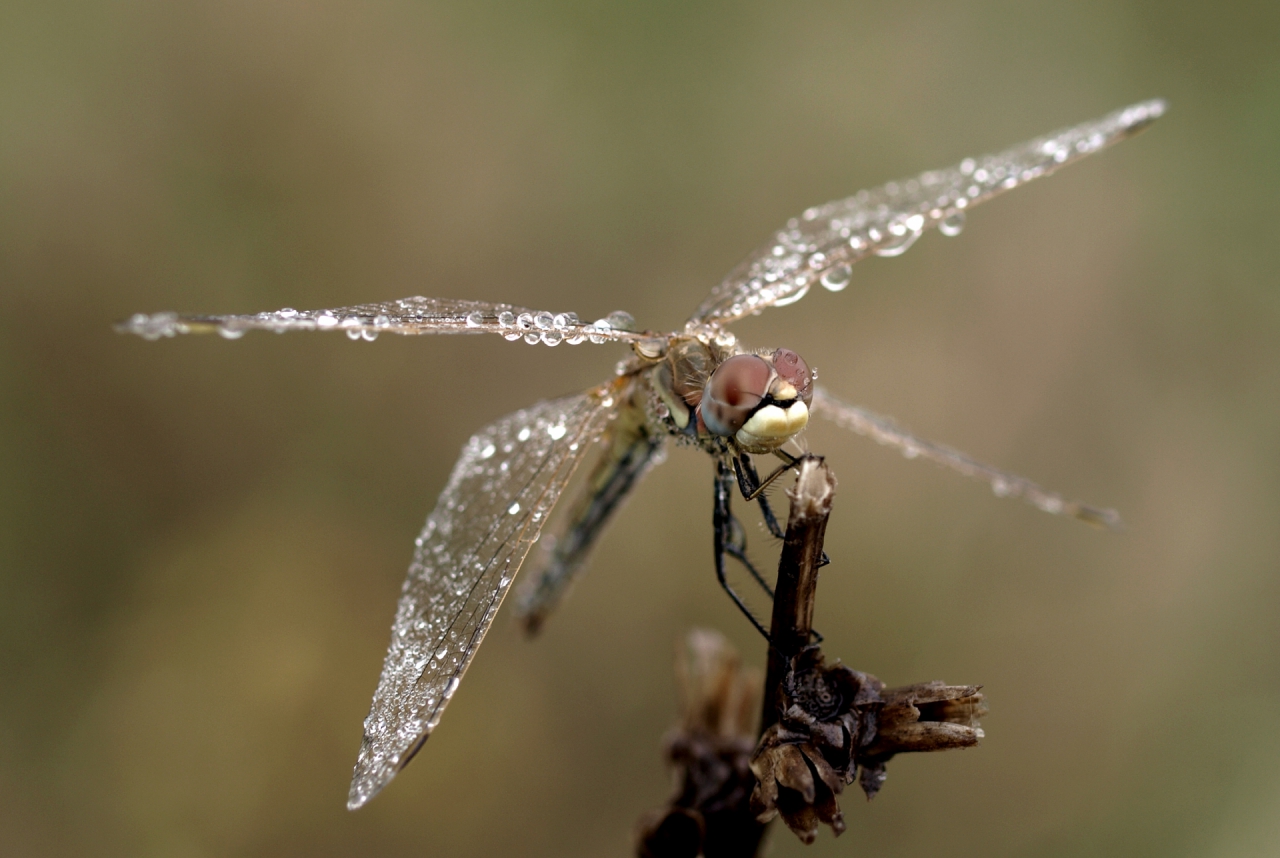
(621, 320)
(837, 278)
(475, 320)
(793, 297)
(952, 225)
(898, 245)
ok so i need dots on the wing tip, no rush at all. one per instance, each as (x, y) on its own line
(1138, 117)
(369, 778)
(1101, 518)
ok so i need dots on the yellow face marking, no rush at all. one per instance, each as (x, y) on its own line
(772, 426)
(782, 390)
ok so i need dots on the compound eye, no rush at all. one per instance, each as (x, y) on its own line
(792, 369)
(733, 391)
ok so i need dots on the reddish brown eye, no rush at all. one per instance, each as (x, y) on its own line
(733, 391)
(792, 369)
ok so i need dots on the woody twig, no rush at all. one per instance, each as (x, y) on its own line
(821, 727)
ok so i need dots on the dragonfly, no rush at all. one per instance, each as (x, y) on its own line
(697, 387)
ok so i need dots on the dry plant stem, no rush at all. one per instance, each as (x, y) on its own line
(823, 725)
(791, 627)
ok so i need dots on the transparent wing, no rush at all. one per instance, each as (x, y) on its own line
(629, 449)
(501, 491)
(884, 431)
(416, 315)
(821, 244)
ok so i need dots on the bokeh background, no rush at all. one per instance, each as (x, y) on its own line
(202, 542)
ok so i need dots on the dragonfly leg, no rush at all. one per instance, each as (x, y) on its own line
(730, 541)
(736, 547)
(749, 485)
(753, 492)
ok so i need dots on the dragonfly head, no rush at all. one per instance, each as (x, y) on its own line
(761, 402)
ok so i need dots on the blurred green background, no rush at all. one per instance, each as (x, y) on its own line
(202, 542)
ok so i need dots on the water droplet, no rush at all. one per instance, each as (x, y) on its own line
(897, 246)
(557, 431)
(621, 320)
(575, 338)
(531, 338)
(475, 320)
(651, 349)
(511, 336)
(817, 261)
(230, 331)
(967, 165)
(353, 334)
(837, 278)
(564, 320)
(544, 320)
(287, 313)
(793, 297)
(514, 509)
(369, 336)
(326, 320)
(524, 321)
(523, 434)
(725, 339)
(506, 318)
(488, 451)
(552, 337)
(952, 225)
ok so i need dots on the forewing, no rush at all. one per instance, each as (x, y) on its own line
(501, 491)
(416, 315)
(884, 431)
(821, 244)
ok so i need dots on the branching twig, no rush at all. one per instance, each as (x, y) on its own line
(821, 726)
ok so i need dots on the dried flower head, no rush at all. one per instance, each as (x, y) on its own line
(805, 759)
(834, 721)
(710, 754)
